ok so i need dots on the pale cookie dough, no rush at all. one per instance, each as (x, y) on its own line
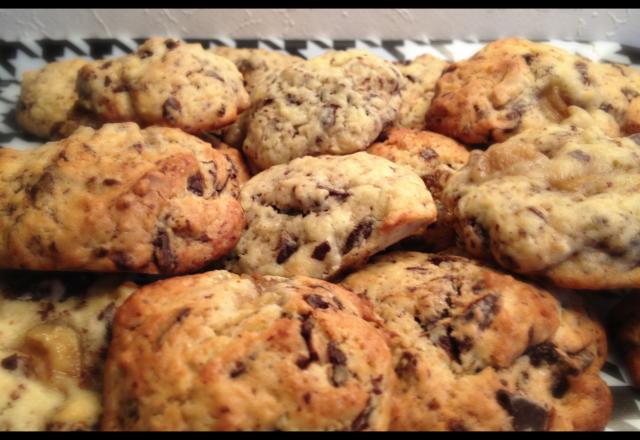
(165, 82)
(47, 106)
(54, 334)
(421, 75)
(337, 103)
(561, 202)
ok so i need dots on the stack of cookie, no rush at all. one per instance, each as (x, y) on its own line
(340, 243)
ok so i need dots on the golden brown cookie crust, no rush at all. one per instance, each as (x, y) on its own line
(475, 349)
(218, 351)
(515, 84)
(118, 199)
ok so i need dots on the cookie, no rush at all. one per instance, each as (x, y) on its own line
(337, 103)
(47, 105)
(475, 349)
(255, 65)
(434, 158)
(118, 199)
(218, 351)
(238, 165)
(421, 75)
(560, 202)
(54, 334)
(515, 84)
(165, 82)
(318, 216)
(624, 322)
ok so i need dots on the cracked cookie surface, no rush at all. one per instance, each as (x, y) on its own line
(218, 351)
(433, 157)
(317, 216)
(475, 349)
(560, 202)
(47, 106)
(165, 82)
(337, 103)
(515, 84)
(118, 199)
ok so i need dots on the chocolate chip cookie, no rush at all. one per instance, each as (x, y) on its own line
(47, 106)
(421, 75)
(515, 84)
(118, 199)
(561, 202)
(434, 158)
(218, 351)
(317, 216)
(165, 82)
(337, 103)
(475, 349)
(255, 65)
(624, 322)
(54, 334)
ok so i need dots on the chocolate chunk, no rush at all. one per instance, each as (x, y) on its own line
(107, 81)
(144, 54)
(121, 88)
(335, 355)
(383, 136)
(527, 415)
(307, 398)
(583, 69)
(528, 58)
(171, 44)
(287, 246)
(375, 385)
(106, 65)
(10, 362)
(164, 257)
(170, 107)
(43, 185)
(361, 422)
(629, 93)
(361, 232)
(305, 331)
(122, 260)
(137, 147)
(183, 313)
(428, 154)
(455, 425)
(606, 107)
(46, 310)
(544, 352)
(486, 307)
(337, 358)
(107, 314)
(316, 301)
(479, 232)
(110, 182)
(560, 386)
(239, 369)
(195, 184)
(222, 110)
(406, 365)
(580, 155)
(537, 212)
(328, 116)
(339, 194)
(320, 251)
(453, 346)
